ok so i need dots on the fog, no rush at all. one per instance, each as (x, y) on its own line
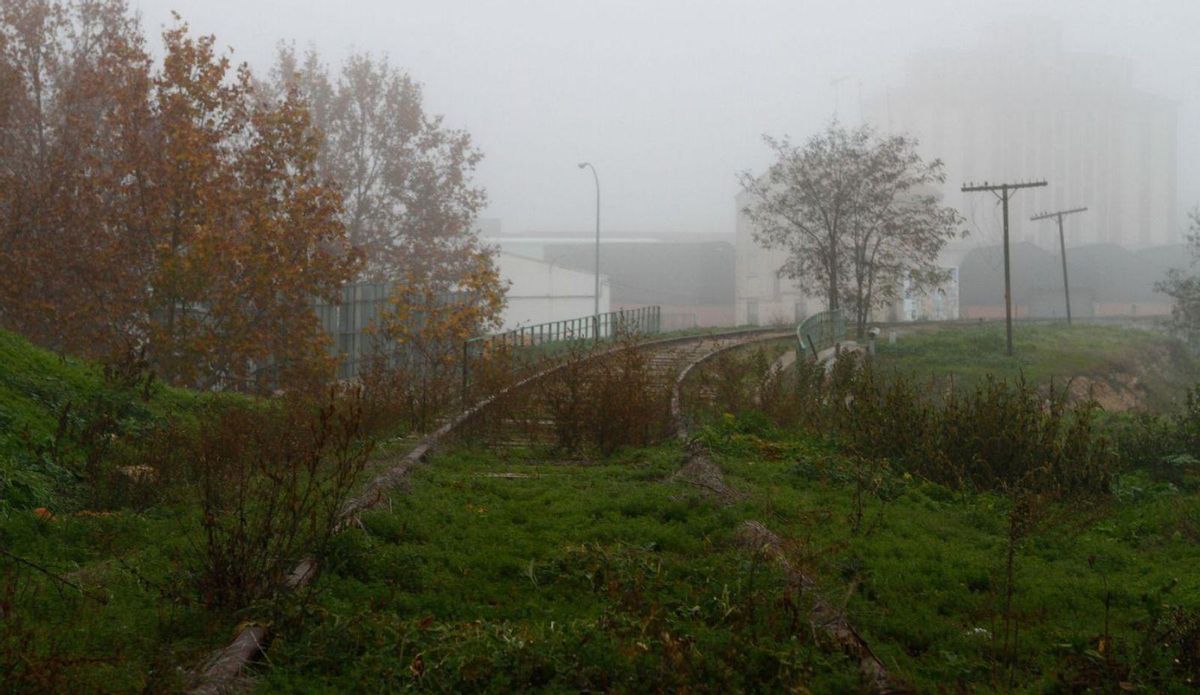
(669, 98)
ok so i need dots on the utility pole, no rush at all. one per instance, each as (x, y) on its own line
(1004, 191)
(1062, 247)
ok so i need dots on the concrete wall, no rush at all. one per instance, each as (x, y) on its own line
(542, 291)
(761, 296)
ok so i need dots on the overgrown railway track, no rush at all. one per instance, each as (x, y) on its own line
(668, 358)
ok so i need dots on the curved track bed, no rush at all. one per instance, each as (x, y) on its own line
(669, 358)
(700, 470)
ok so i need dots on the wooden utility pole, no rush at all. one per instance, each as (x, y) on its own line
(1004, 191)
(1062, 247)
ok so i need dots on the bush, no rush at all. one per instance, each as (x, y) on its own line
(996, 436)
(728, 383)
(1167, 447)
(271, 484)
(607, 401)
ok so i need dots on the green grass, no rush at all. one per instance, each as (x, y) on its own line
(515, 571)
(47, 403)
(93, 596)
(129, 617)
(574, 575)
(1046, 352)
(612, 575)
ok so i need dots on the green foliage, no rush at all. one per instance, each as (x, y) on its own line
(505, 572)
(996, 436)
(1166, 445)
(1045, 353)
(64, 422)
(555, 577)
(126, 620)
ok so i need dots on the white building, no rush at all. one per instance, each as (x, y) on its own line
(541, 291)
(1018, 108)
(761, 295)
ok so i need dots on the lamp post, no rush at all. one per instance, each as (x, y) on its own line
(596, 305)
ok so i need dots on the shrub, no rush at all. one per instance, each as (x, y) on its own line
(605, 396)
(1167, 447)
(728, 383)
(271, 483)
(996, 436)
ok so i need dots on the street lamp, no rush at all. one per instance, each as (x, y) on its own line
(596, 306)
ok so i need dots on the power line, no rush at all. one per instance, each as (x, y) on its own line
(1004, 191)
(1062, 246)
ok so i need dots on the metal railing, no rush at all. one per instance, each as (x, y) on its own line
(644, 320)
(820, 332)
(523, 342)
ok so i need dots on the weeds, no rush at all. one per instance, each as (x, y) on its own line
(271, 486)
(996, 436)
(1166, 446)
(594, 397)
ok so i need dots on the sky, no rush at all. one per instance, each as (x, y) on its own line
(669, 99)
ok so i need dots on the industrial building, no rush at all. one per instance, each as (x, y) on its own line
(1017, 107)
(692, 280)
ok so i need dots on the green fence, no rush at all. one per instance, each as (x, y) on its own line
(349, 323)
(820, 332)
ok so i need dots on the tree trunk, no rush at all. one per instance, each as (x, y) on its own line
(833, 303)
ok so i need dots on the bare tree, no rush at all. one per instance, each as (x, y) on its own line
(406, 179)
(1183, 287)
(857, 213)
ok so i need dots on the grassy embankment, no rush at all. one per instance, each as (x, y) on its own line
(520, 570)
(93, 579)
(1123, 366)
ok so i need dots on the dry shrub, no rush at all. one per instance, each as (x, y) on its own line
(727, 383)
(271, 483)
(997, 436)
(605, 397)
(401, 391)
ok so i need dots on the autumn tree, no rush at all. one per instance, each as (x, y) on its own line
(410, 205)
(857, 213)
(246, 232)
(173, 209)
(74, 83)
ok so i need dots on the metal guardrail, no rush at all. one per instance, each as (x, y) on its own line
(645, 320)
(820, 332)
